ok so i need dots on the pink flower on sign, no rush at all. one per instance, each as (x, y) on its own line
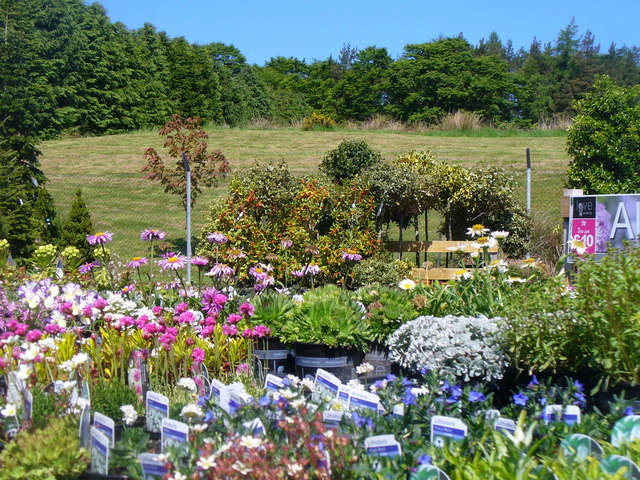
(100, 238)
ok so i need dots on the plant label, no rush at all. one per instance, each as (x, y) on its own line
(429, 472)
(84, 427)
(273, 383)
(344, 393)
(570, 414)
(138, 374)
(157, 409)
(27, 408)
(382, 446)
(581, 446)
(106, 426)
(627, 429)
(153, 466)
(398, 410)
(220, 394)
(505, 425)
(614, 463)
(16, 387)
(237, 397)
(173, 434)
(254, 427)
(360, 399)
(99, 452)
(332, 416)
(326, 386)
(444, 429)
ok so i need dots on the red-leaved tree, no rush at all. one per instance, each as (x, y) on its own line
(185, 136)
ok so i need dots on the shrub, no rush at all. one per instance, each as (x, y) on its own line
(460, 120)
(109, 395)
(318, 122)
(348, 159)
(387, 309)
(382, 270)
(77, 226)
(467, 348)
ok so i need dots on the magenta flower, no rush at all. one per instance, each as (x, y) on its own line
(198, 355)
(260, 331)
(246, 309)
(151, 234)
(182, 307)
(199, 261)
(221, 270)
(234, 318)
(172, 261)
(351, 255)
(100, 238)
(86, 267)
(137, 262)
(217, 237)
(229, 330)
(242, 368)
(34, 335)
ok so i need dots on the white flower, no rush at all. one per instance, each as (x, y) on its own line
(512, 280)
(67, 366)
(9, 410)
(249, 441)
(199, 427)
(407, 284)
(462, 274)
(188, 384)
(241, 468)
(308, 384)
(299, 403)
(129, 414)
(484, 242)
(68, 385)
(458, 248)
(499, 234)
(364, 368)
(355, 384)
(205, 463)
(80, 359)
(48, 343)
(293, 469)
(24, 371)
(298, 298)
(178, 476)
(295, 381)
(191, 411)
(577, 246)
(287, 394)
(30, 353)
(499, 265)
(477, 230)
(529, 263)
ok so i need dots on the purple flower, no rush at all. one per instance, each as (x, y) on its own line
(311, 269)
(579, 386)
(629, 411)
(99, 238)
(286, 243)
(86, 267)
(264, 401)
(217, 237)
(137, 262)
(409, 398)
(351, 255)
(151, 234)
(172, 261)
(424, 459)
(476, 396)
(520, 399)
(199, 261)
(533, 383)
(221, 270)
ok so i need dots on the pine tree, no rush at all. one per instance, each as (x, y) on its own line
(77, 226)
(48, 227)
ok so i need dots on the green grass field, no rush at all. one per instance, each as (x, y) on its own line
(120, 200)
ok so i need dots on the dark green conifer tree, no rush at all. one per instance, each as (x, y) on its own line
(77, 226)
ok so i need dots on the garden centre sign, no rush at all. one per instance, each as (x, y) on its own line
(600, 221)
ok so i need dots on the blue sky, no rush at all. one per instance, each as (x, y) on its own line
(316, 29)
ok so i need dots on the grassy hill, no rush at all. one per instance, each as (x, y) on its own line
(120, 200)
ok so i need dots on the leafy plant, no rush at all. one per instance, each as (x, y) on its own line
(380, 269)
(109, 395)
(124, 455)
(272, 310)
(50, 452)
(328, 316)
(318, 122)
(387, 309)
(348, 159)
(77, 226)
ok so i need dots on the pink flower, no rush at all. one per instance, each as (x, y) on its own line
(172, 261)
(234, 318)
(100, 238)
(247, 333)
(242, 368)
(351, 255)
(210, 321)
(100, 303)
(151, 234)
(229, 330)
(199, 261)
(142, 321)
(34, 335)
(126, 321)
(182, 307)
(157, 311)
(87, 311)
(246, 309)
(198, 355)
(221, 270)
(186, 317)
(87, 267)
(217, 237)
(22, 329)
(53, 328)
(260, 331)
(137, 262)
(207, 331)
(311, 269)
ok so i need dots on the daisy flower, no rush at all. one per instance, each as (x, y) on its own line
(172, 261)
(100, 238)
(477, 230)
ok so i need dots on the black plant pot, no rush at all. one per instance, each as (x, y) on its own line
(340, 362)
(275, 357)
(99, 476)
(378, 357)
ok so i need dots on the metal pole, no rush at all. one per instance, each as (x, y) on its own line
(187, 170)
(528, 181)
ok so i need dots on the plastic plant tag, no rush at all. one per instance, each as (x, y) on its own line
(153, 466)
(237, 397)
(505, 425)
(581, 446)
(84, 427)
(344, 393)
(138, 374)
(220, 393)
(429, 472)
(332, 416)
(157, 409)
(627, 429)
(106, 426)
(614, 463)
(254, 427)
(272, 383)
(85, 392)
(99, 452)
(174, 434)
(490, 416)
(398, 410)
(444, 429)
(326, 386)
(382, 446)
(27, 407)
(570, 414)
(16, 387)
(365, 400)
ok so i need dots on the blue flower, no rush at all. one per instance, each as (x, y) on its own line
(580, 399)
(406, 383)
(629, 411)
(424, 459)
(456, 392)
(424, 370)
(476, 396)
(543, 401)
(578, 385)
(264, 401)
(361, 420)
(391, 377)
(409, 398)
(379, 384)
(445, 387)
(520, 399)
(534, 382)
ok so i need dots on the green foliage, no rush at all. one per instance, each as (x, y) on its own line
(124, 455)
(273, 310)
(48, 453)
(380, 269)
(328, 316)
(43, 407)
(48, 228)
(318, 122)
(77, 226)
(348, 159)
(604, 140)
(387, 309)
(109, 395)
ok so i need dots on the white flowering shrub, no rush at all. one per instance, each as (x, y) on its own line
(468, 348)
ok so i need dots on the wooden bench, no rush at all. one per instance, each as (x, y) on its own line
(430, 271)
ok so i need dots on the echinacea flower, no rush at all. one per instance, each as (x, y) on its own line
(151, 234)
(172, 261)
(217, 237)
(100, 238)
(137, 262)
(351, 255)
(477, 230)
(199, 261)
(221, 270)
(311, 269)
